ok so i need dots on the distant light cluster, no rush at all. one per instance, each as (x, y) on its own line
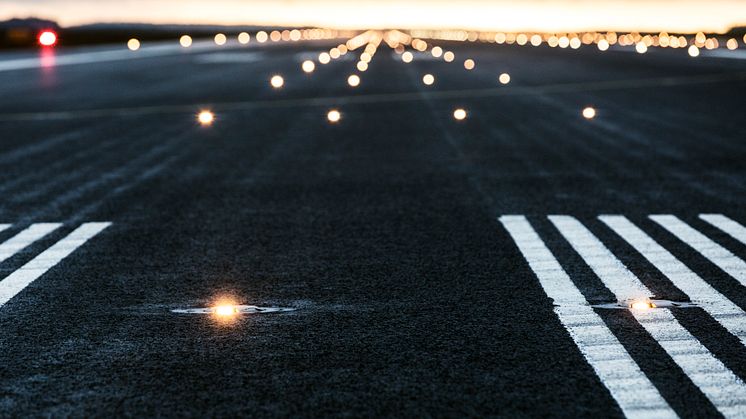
(418, 44)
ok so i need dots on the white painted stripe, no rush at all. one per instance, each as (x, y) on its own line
(97, 56)
(4, 227)
(628, 385)
(36, 267)
(731, 227)
(717, 254)
(718, 383)
(23, 239)
(724, 311)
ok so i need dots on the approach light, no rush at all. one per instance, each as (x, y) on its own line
(459, 114)
(641, 305)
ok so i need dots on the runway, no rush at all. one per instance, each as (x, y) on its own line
(435, 267)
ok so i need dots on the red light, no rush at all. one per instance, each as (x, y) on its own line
(47, 38)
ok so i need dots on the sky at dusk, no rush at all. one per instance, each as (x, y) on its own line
(539, 15)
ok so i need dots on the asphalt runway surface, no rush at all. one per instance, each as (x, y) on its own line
(426, 277)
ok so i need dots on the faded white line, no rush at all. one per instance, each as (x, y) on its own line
(730, 227)
(724, 311)
(23, 239)
(718, 255)
(628, 385)
(719, 384)
(104, 56)
(36, 267)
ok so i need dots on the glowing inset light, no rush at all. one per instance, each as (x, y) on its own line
(324, 58)
(185, 41)
(206, 118)
(244, 38)
(459, 114)
(504, 78)
(47, 38)
(308, 66)
(133, 44)
(428, 79)
(220, 39)
(693, 51)
(641, 305)
(262, 37)
(469, 64)
(437, 52)
(603, 45)
(641, 48)
(333, 116)
(449, 56)
(225, 310)
(589, 113)
(353, 80)
(732, 44)
(362, 66)
(407, 57)
(277, 81)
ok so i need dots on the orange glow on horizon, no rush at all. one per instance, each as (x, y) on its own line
(505, 15)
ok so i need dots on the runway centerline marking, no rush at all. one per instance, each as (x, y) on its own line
(14, 283)
(730, 227)
(725, 390)
(628, 385)
(715, 253)
(724, 311)
(26, 237)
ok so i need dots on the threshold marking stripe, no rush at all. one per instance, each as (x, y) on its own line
(730, 227)
(725, 390)
(634, 393)
(724, 311)
(26, 237)
(14, 283)
(717, 254)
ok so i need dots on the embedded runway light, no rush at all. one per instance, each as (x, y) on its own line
(469, 64)
(206, 118)
(449, 56)
(325, 58)
(589, 113)
(244, 38)
(504, 78)
(362, 66)
(333, 116)
(277, 81)
(693, 51)
(308, 66)
(603, 45)
(437, 52)
(262, 37)
(225, 310)
(47, 39)
(407, 57)
(641, 305)
(133, 44)
(641, 48)
(220, 39)
(185, 41)
(428, 79)
(353, 80)
(459, 114)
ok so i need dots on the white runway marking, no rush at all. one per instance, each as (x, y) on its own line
(730, 227)
(25, 238)
(28, 273)
(65, 59)
(724, 311)
(717, 254)
(628, 385)
(718, 383)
